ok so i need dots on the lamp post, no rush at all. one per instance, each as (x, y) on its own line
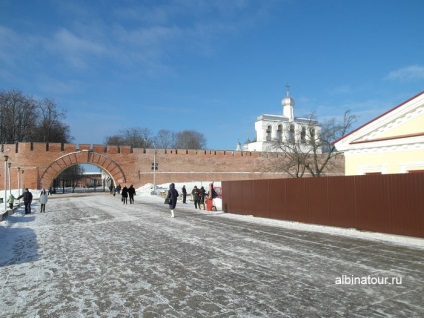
(10, 178)
(154, 170)
(154, 165)
(5, 181)
(19, 179)
(23, 180)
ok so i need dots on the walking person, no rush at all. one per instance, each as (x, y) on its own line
(124, 194)
(202, 193)
(44, 196)
(184, 191)
(131, 193)
(27, 200)
(195, 196)
(172, 196)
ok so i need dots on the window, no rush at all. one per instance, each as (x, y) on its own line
(303, 135)
(291, 134)
(279, 132)
(268, 133)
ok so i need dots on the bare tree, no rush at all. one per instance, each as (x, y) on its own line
(314, 152)
(165, 139)
(50, 127)
(190, 139)
(18, 115)
(23, 118)
(141, 138)
(134, 137)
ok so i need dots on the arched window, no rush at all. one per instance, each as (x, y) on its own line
(291, 134)
(303, 135)
(268, 133)
(280, 132)
(312, 132)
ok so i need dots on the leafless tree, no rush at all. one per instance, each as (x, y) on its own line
(50, 127)
(315, 153)
(134, 137)
(190, 139)
(18, 115)
(23, 118)
(165, 139)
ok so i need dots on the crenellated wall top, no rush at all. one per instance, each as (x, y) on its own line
(23, 147)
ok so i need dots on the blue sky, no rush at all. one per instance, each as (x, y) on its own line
(210, 66)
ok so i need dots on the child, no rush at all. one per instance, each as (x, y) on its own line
(10, 201)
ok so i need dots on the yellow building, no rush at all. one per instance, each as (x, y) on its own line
(391, 143)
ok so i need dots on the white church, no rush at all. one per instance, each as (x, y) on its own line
(272, 130)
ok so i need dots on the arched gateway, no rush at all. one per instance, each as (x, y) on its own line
(82, 157)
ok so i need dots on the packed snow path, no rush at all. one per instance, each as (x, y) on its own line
(92, 256)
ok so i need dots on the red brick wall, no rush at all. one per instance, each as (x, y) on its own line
(176, 165)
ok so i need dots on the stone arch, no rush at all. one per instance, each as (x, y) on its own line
(82, 157)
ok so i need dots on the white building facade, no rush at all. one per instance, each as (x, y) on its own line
(272, 130)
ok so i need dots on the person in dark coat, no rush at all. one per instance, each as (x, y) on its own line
(172, 195)
(124, 194)
(195, 196)
(131, 193)
(27, 200)
(184, 194)
(202, 193)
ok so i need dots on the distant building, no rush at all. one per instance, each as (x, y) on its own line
(391, 143)
(284, 128)
(91, 179)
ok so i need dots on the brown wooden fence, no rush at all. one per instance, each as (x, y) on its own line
(378, 203)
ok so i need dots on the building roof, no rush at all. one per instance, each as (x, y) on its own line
(354, 137)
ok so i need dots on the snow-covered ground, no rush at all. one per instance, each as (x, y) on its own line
(92, 256)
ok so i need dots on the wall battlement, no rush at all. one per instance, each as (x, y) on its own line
(112, 149)
(38, 164)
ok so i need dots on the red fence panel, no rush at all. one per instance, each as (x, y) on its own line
(372, 203)
(406, 203)
(342, 202)
(380, 203)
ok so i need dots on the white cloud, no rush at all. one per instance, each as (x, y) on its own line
(409, 73)
(75, 48)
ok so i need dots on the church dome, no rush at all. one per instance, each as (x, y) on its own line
(287, 101)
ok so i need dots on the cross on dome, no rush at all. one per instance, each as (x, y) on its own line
(287, 89)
